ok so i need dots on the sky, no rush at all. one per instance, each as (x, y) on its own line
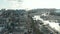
(29, 4)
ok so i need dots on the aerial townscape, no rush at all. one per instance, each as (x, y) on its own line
(34, 21)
